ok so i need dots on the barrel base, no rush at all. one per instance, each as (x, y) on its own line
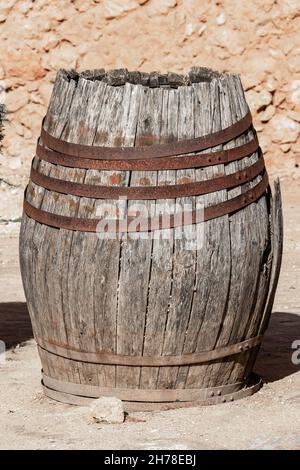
(77, 394)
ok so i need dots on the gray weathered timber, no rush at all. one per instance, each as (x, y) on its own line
(212, 268)
(135, 261)
(81, 264)
(273, 264)
(167, 375)
(259, 235)
(277, 246)
(237, 305)
(122, 120)
(153, 296)
(184, 254)
(33, 259)
(160, 282)
(57, 257)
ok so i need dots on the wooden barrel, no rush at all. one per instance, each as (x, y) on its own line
(150, 242)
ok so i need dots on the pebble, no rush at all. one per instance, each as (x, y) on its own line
(108, 410)
(221, 19)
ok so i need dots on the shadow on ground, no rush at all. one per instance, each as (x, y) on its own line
(15, 325)
(274, 361)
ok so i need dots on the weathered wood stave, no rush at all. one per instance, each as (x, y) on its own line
(145, 297)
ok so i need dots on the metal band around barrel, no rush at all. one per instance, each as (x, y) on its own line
(167, 163)
(151, 399)
(148, 192)
(147, 361)
(148, 151)
(161, 221)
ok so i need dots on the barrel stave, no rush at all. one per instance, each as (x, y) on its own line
(148, 297)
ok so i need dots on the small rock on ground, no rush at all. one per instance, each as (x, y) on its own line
(107, 410)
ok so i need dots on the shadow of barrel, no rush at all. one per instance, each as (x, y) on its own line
(15, 325)
(274, 361)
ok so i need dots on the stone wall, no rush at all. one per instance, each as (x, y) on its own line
(255, 38)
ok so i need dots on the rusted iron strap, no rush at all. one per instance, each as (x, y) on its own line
(147, 361)
(204, 396)
(167, 163)
(131, 406)
(161, 221)
(148, 151)
(148, 192)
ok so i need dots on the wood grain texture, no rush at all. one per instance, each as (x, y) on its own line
(135, 264)
(34, 255)
(273, 264)
(153, 296)
(259, 236)
(161, 276)
(212, 277)
(183, 254)
(119, 114)
(167, 375)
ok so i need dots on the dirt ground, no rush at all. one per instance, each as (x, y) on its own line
(268, 420)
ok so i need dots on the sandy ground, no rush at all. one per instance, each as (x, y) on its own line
(268, 420)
